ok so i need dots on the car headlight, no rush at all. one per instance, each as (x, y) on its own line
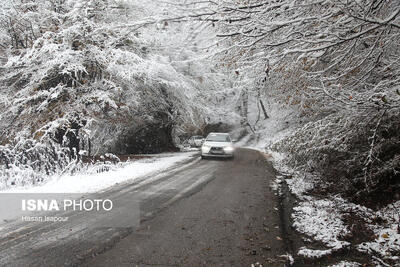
(229, 148)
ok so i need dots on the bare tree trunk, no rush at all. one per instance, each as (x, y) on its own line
(251, 128)
(89, 147)
(244, 105)
(264, 111)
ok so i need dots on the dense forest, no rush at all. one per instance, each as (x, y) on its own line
(314, 83)
(91, 77)
(87, 78)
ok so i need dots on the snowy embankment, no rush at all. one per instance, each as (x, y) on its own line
(328, 223)
(341, 225)
(92, 180)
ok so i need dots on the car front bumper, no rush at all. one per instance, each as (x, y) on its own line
(207, 152)
(209, 155)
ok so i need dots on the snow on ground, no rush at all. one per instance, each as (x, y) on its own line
(280, 124)
(323, 218)
(91, 181)
(387, 242)
(313, 253)
(268, 132)
(346, 264)
(320, 220)
(299, 184)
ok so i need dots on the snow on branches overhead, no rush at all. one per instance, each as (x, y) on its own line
(335, 63)
(76, 75)
(79, 59)
(348, 50)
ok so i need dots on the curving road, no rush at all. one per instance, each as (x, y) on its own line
(201, 213)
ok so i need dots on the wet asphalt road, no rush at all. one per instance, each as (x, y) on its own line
(202, 213)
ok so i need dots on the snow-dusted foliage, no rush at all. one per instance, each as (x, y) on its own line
(93, 77)
(344, 53)
(358, 155)
(336, 65)
(29, 162)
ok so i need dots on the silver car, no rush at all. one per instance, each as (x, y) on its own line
(196, 141)
(217, 145)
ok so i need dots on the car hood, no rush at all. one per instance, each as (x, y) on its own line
(218, 144)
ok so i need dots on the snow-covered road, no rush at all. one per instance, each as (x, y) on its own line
(90, 181)
(230, 199)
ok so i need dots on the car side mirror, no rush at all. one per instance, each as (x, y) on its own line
(234, 141)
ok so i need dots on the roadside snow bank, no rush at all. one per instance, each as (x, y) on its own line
(91, 181)
(335, 222)
(320, 220)
(269, 131)
(331, 223)
(387, 241)
(327, 222)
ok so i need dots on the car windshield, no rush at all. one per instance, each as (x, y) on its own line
(218, 138)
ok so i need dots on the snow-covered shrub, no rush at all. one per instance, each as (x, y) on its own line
(29, 162)
(91, 78)
(356, 155)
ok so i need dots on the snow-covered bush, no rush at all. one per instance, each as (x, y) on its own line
(29, 162)
(91, 77)
(356, 155)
